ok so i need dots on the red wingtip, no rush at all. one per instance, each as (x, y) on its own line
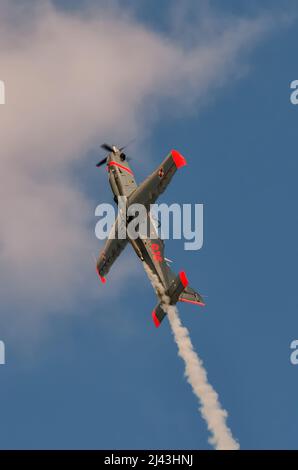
(179, 160)
(103, 279)
(183, 278)
(155, 319)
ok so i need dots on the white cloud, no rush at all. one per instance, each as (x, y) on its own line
(71, 82)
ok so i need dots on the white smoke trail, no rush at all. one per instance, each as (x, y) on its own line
(211, 409)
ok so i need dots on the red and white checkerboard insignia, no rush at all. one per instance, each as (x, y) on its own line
(161, 172)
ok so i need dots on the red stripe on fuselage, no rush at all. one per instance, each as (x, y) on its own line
(121, 166)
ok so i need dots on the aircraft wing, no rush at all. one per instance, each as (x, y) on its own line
(112, 249)
(148, 191)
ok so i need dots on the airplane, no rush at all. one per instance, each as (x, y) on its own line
(150, 249)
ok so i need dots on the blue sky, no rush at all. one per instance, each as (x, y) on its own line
(101, 375)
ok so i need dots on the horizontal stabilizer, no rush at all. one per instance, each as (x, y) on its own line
(191, 296)
(158, 315)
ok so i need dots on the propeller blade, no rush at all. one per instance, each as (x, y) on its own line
(127, 145)
(107, 147)
(102, 162)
